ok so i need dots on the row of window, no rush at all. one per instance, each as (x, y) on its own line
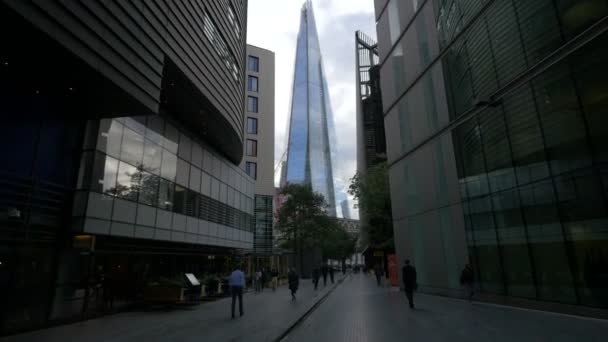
(219, 43)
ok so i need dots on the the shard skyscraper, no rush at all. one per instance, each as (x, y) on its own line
(311, 133)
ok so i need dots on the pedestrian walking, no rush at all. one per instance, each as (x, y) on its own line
(316, 274)
(237, 283)
(275, 279)
(378, 273)
(294, 282)
(263, 279)
(409, 282)
(331, 274)
(467, 279)
(324, 272)
(258, 280)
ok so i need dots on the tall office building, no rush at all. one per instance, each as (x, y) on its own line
(345, 206)
(122, 134)
(311, 135)
(498, 145)
(371, 140)
(258, 161)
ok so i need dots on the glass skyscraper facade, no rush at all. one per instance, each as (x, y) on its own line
(311, 136)
(495, 116)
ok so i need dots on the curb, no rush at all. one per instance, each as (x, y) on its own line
(308, 312)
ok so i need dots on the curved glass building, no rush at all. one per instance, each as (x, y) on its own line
(311, 135)
(495, 117)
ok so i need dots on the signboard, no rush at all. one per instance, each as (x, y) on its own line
(192, 279)
(393, 276)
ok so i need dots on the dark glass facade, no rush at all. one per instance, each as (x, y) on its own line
(311, 135)
(496, 134)
(263, 225)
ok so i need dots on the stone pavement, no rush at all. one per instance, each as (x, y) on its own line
(358, 310)
(267, 316)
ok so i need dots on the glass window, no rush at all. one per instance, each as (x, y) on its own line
(251, 169)
(252, 104)
(205, 184)
(154, 129)
(179, 199)
(103, 179)
(148, 188)
(185, 147)
(169, 166)
(127, 182)
(252, 83)
(253, 63)
(252, 125)
(192, 203)
(195, 179)
(165, 195)
(110, 137)
(561, 120)
(252, 148)
(219, 43)
(171, 138)
(132, 147)
(136, 123)
(233, 21)
(183, 172)
(152, 157)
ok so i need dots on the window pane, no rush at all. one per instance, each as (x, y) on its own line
(132, 147)
(152, 157)
(252, 148)
(171, 137)
(252, 83)
(251, 169)
(252, 125)
(180, 198)
(104, 174)
(148, 188)
(169, 165)
(127, 181)
(253, 64)
(165, 195)
(252, 104)
(110, 136)
(154, 129)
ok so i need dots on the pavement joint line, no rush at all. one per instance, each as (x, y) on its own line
(540, 311)
(308, 312)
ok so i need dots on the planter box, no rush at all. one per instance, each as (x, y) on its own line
(164, 294)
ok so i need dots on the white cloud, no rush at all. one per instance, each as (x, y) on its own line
(274, 24)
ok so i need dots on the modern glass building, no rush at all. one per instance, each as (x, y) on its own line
(311, 133)
(497, 145)
(122, 134)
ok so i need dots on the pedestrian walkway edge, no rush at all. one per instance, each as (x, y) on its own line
(299, 321)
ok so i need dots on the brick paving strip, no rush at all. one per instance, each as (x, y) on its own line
(269, 316)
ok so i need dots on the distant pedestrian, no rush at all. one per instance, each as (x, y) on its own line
(316, 274)
(263, 280)
(275, 279)
(343, 269)
(237, 283)
(467, 279)
(324, 272)
(258, 280)
(294, 282)
(378, 273)
(331, 274)
(409, 282)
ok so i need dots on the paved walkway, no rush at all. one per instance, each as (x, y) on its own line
(360, 311)
(267, 316)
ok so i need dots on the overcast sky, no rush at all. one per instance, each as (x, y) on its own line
(273, 25)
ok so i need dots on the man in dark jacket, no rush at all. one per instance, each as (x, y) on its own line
(294, 282)
(316, 274)
(324, 270)
(331, 274)
(467, 277)
(409, 282)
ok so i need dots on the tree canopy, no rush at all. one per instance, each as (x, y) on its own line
(303, 223)
(373, 194)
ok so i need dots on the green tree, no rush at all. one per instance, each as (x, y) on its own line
(373, 194)
(302, 220)
(338, 244)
